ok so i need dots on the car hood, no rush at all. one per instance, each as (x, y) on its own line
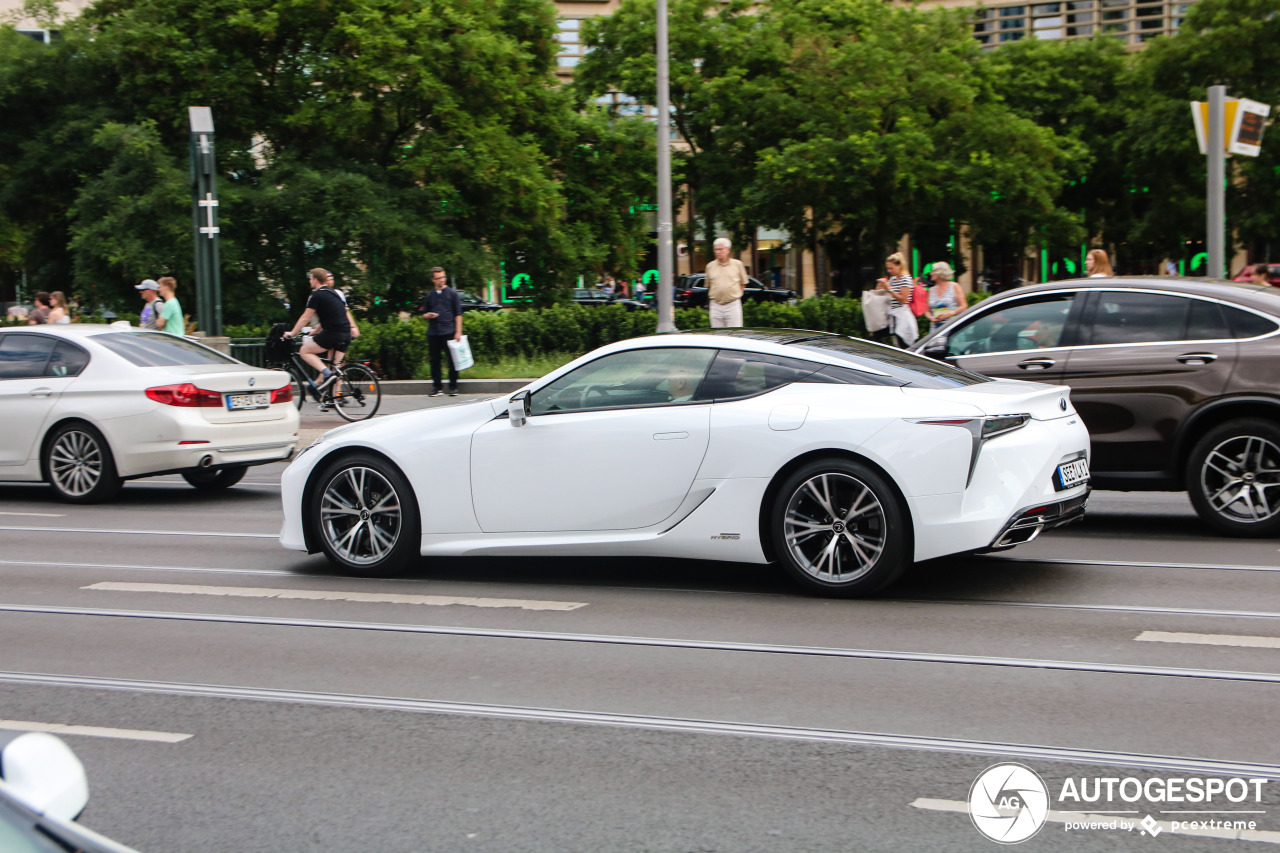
(1007, 397)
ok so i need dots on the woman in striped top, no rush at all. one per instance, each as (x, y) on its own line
(900, 286)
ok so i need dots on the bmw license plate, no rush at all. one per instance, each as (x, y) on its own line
(259, 400)
(1071, 473)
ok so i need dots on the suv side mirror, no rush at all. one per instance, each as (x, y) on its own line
(518, 409)
(937, 349)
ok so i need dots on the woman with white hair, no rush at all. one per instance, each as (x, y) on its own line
(946, 296)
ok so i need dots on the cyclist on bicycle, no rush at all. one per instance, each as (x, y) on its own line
(327, 308)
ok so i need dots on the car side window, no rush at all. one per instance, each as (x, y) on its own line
(736, 374)
(1205, 322)
(24, 356)
(641, 377)
(1246, 324)
(1136, 318)
(1035, 323)
(66, 360)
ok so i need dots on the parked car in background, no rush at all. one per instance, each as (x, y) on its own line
(843, 460)
(1175, 379)
(594, 297)
(86, 407)
(471, 302)
(1273, 274)
(691, 292)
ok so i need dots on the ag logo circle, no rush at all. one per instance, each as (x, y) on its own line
(1008, 803)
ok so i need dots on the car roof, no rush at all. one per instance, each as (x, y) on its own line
(1261, 296)
(70, 330)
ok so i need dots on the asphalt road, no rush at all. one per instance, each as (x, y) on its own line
(247, 698)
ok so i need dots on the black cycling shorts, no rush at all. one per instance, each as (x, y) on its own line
(331, 340)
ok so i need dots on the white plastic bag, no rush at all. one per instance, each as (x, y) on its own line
(460, 353)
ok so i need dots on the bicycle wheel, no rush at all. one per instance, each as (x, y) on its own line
(299, 389)
(356, 395)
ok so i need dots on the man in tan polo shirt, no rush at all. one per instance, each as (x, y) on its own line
(726, 278)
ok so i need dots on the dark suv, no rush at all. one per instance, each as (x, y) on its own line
(691, 292)
(1175, 379)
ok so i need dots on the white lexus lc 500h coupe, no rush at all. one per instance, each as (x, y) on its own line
(843, 460)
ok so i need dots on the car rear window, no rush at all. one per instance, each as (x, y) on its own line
(905, 367)
(156, 349)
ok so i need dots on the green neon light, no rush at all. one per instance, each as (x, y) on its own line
(649, 277)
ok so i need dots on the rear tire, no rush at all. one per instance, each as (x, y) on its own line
(80, 466)
(356, 395)
(215, 478)
(1233, 478)
(365, 516)
(839, 529)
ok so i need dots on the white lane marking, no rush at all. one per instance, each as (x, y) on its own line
(321, 595)
(38, 514)
(1209, 639)
(1169, 763)
(141, 532)
(1266, 836)
(94, 731)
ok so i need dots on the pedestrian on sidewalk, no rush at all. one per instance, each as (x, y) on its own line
(170, 319)
(149, 290)
(726, 281)
(442, 308)
(39, 315)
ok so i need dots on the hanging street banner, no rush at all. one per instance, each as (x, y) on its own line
(1244, 122)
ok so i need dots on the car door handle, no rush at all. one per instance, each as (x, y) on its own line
(40, 392)
(669, 436)
(1036, 364)
(1198, 358)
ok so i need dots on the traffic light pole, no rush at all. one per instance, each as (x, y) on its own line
(666, 246)
(1215, 191)
(204, 220)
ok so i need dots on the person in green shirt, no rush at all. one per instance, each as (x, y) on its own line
(170, 319)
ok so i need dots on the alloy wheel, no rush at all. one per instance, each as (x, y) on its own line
(76, 463)
(834, 527)
(1240, 479)
(360, 516)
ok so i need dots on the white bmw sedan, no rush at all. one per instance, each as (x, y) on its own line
(87, 407)
(843, 460)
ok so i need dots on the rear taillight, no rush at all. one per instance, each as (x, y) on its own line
(687, 294)
(186, 395)
(282, 395)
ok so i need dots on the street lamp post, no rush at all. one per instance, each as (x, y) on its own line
(204, 217)
(666, 247)
(1215, 225)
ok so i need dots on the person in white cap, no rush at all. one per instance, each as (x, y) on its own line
(149, 290)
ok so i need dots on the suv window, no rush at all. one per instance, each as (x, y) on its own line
(24, 356)
(1205, 322)
(642, 377)
(1246, 324)
(1137, 318)
(1035, 323)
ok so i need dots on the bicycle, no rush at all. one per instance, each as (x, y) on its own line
(352, 390)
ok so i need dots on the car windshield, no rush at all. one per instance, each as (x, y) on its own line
(156, 349)
(911, 369)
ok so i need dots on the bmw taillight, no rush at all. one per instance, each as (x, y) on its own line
(282, 395)
(185, 395)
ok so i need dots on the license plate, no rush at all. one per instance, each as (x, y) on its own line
(1072, 473)
(237, 402)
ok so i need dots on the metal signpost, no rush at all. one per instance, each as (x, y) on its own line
(666, 246)
(204, 215)
(1224, 125)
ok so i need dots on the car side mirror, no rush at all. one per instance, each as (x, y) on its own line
(42, 771)
(518, 409)
(936, 349)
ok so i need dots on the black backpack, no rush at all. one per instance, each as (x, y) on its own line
(278, 350)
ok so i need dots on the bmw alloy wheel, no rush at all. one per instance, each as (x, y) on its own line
(79, 465)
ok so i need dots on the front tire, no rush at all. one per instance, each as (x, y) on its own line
(215, 478)
(80, 466)
(366, 516)
(839, 529)
(1233, 478)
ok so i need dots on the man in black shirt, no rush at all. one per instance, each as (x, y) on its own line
(442, 308)
(327, 307)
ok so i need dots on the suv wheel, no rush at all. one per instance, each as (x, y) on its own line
(1233, 477)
